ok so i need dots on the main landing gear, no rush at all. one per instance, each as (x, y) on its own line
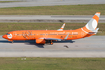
(51, 42)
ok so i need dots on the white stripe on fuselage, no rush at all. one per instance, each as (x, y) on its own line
(84, 30)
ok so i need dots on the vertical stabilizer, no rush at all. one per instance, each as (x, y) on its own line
(91, 26)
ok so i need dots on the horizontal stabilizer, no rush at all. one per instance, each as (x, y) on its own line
(94, 32)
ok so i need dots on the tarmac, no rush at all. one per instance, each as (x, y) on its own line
(49, 18)
(93, 46)
(28, 3)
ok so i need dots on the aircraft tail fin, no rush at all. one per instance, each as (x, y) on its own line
(62, 27)
(91, 26)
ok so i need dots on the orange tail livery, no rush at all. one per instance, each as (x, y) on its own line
(41, 36)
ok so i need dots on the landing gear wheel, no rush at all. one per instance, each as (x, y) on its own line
(51, 42)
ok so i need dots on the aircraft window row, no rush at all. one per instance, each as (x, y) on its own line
(52, 34)
(48, 34)
(62, 34)
(42, 34)
(58, 34)
(23, 34)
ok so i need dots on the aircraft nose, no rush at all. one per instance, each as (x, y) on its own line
(4, 36)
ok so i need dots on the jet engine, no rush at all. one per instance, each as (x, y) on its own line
(40, 41)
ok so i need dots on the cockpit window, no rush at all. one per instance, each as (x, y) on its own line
(7, 34)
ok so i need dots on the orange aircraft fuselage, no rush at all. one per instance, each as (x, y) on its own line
(36, 34)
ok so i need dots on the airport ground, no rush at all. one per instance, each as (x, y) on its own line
(27, 3)
(48, 18)
(90, 47)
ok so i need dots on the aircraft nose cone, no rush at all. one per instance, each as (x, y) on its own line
(4, 36)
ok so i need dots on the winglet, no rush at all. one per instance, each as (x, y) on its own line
(62, 27)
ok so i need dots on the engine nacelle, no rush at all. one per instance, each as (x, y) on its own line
(40, 41)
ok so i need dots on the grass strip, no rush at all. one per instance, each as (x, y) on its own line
(7, 27)
(55, 10)
(24, 63)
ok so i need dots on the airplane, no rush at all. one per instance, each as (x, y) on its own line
(42, 36)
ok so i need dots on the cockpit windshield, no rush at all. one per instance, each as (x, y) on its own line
(7, 34)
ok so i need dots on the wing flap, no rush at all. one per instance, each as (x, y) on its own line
(51, 39)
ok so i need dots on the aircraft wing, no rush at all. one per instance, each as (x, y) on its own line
(51, 39)
(56, 38)
(61, 27)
